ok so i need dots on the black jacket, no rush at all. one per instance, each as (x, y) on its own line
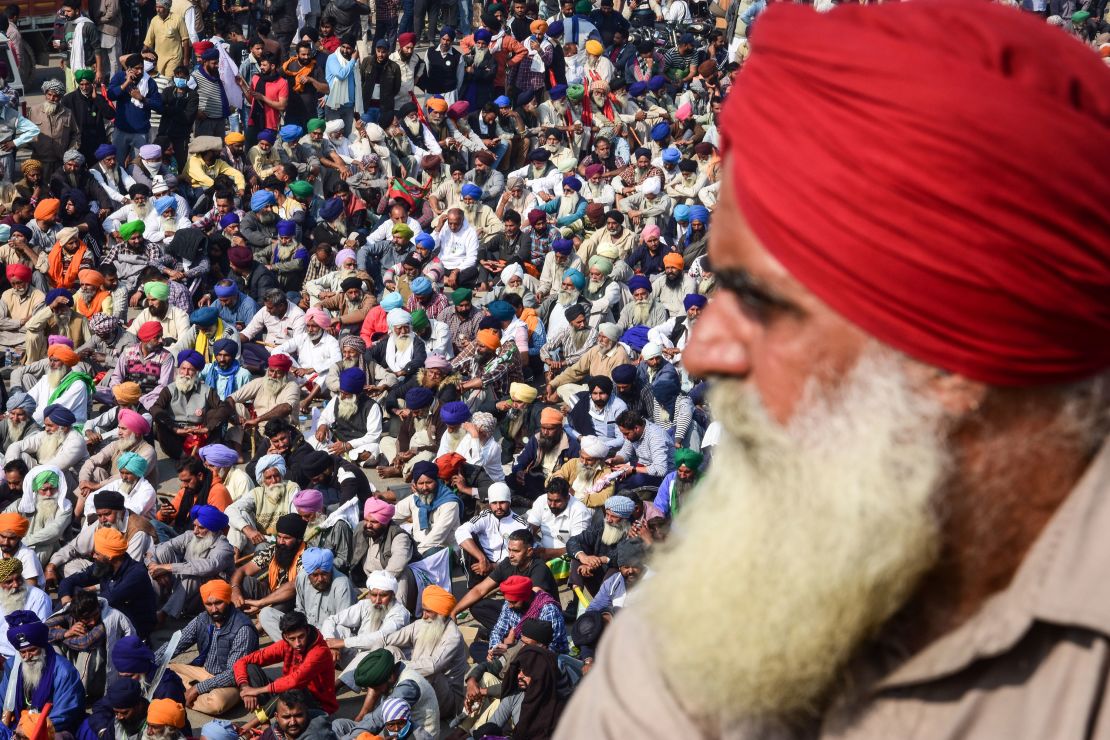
(388, 76)
(178, 113)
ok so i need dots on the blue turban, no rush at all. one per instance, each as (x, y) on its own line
(104, 151)
(422, 286)
(21, 400)
(191, 356)
(671, 155)
(660, 131)
(317, 558)
(694, 300)
(699, 213)
(391, 301)
(576, 277)
(636, 89)
(656, 83)
(639, 281)
(470, 190)
(226, 291)
(219, 456)
(205, 316)
(624, 374)
(261, 199)
(57, 292)
(425, 240)
(285, 227)
(539, 155)
(290, 132)
(425, 467)
(455, 412)
(502, 101)
(562, 246)
(555, 30)
(331, 209)
(483, 35)
(163, 204)
(228, 219)
(131, 655)
(60, 415)
(501, 310)
(225, 345)
(622, 506)
(636, 337)
(573, 183)
(210, 54)
(124, 693)
(525, 97)
(269, 461)
(267, 135)
(219, 729)
(559, 91)
(447, 31)
(209, 517)
(25, 630)
(419, 397)
(682, 213)
(352, 380)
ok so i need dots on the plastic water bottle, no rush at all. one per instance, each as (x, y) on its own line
(7, 358)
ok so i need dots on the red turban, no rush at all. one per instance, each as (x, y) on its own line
(280, 362)
(18, 271)
(148, 331)
(517, 588)
(449, 464)
(952, 221)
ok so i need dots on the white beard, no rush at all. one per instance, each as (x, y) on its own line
(428, 637)
(126, 440)
(402, 343)
(141, 210)
(45, 509)
(199, 547)
(11, 601)
(273, 386)
(568, 297)
(640, 311)
(124, 487)
(15, 431)
(374, 619)
(55, 377)
(594, 286)
(50, 445)
(345, 408)
(275, 493)
(49, 107)
(515, 290)
(185, 383)
(825, 528)
(614, 533)
(32, 671)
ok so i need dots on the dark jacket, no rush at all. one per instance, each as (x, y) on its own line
(528, 456)
(93, 115)
(128, 589)
(178, 113)
(589, 542)
(258, 282)
(419, 354)
(388, 76)
(131, 118)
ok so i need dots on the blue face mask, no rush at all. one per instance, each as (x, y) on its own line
(178, 82)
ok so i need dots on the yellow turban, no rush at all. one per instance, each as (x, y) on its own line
(110, 543)
(10, 567)
(522, 392)
(437, 104)
(594, 48)
(126, 393)
(234, 138)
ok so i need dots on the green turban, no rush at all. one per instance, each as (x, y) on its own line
(43, 478)
(690, 458)
(300, 189)
(1080, 16)
(83, 75)
(583, 7)
(131, 228)
(576, 93)
(315, 124)
(458, 295)
(157, 290)
(375, 669)
(402, 230)
(603, 265)
(133, 463)
(419, 319)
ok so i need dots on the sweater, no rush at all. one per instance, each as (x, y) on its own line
(313, 670)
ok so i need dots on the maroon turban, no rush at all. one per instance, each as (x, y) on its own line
(953, 221)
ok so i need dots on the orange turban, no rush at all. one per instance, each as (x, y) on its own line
(90, 277)
(127, 392)
(674, 259)
(234, 138)
(437, 104)
(436, 600)
(63, 353)
(216, 589)
(539, 27)
(489, 339)
(110, 543)
(47, 208)
(13, 522)
(164, 712)
(551, 415)
(29, 720)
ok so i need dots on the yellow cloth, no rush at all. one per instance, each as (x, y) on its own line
(202, 343)
(199, 175)
(166, 37)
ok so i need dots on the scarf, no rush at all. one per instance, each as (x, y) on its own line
(45, 690)
(204, 346)
(60, 275)
(212, 89)
(301, 75)
(444, 495)
(274, 571)
(539, 601)
(258, 111)
(89, 309)
(71, 378)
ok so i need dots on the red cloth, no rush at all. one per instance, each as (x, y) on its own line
(516, 588)
(928, 169)
(280, 362)
(18, 271)
(314, 671)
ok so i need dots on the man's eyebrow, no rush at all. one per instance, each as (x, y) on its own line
(754, 289)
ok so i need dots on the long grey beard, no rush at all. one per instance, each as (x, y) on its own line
(568, 297)
(578, 339)
(402, 343)
(594, 287)
(45, 509)
(50, 445)
(375, 618)
(141, 211)
(345, 408)
(274, 494)
(515, 290)
(640, 311)
(200, 547)
(32, 671)
(185, 383)
(15, 431)
(124, 487)
(347, 364)
(55, 377)
(428, 637)
(49, 107)
(273, 386)
(11, 601)
(127, 440)
(614, 533)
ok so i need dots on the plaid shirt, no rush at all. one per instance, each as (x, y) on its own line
(509, 618)
(496, 374)
(526, 79)
(462, 329)
(222, 653)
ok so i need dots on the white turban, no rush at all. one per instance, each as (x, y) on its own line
(398, 317)
(374, 132)
(593, 446)
(333, 127)
(511, 271)
(499, 492)
(651, 186)
(651, 349)
(610, 330)
(381, 580)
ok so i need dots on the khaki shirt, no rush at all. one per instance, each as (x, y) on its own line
(1032, 663)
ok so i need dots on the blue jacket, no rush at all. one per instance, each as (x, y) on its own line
(130, 118)
(68, 697)
(128, 589)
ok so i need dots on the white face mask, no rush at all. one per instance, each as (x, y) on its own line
(148, 65)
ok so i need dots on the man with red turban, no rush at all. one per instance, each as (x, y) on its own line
(146, 362)
(273, 396)
(17, 305)
(908, 363)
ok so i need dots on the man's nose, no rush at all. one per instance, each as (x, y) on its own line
(720, 342)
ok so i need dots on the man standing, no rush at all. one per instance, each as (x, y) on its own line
(169, 38)
(92, 113)
(213, 108)
(58, 131)
(136, 96)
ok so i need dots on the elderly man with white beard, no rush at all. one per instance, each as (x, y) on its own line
(139, 496)
(254, 517)
(41, 675)
(644, 309)
(598, 361)
(132, 427)
(567, 346)
(351, 422)
(593, 552)
(908, 493)
(17, 422)
(356, 630)
(433, 509)
(17, 594)
(179, 566)
(48, 512)
(591, 482)
(55, 317)
(274, 396)
(315, 350)
(62, 385)
(478, 215)
(189, 412)
(397, 355)
(322, 591)
(109, 511)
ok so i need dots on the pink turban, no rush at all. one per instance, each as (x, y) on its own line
(309, 500)
(318, 316)
(378, 510)
(650, 231)
(134, 422)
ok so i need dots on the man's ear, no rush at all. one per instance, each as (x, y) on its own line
(957, 393)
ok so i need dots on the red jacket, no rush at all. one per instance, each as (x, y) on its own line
(314, 670)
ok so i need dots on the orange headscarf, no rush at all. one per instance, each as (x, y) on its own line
(60, 275)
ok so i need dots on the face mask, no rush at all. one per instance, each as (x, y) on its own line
(148, 65)
(180, 83)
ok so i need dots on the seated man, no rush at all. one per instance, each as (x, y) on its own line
(330, 532)
(17, 594)
(223, 463)
(381, 544)
(196, 489)
(58, 445)
(679, 483)
(631, 556)
(123, 582)
(223, 635)
(18, 422)
(543, 454)
(296, 716)
(146, 362)
(120, 714)
(225, 374)
(599, 360)
(165, 719)
(62, 385)
(593, 552)
(268, 581)
(274, 396)
(524, 601)
(647, 454)
(388, 681)
(398, 355)
(556, 517)
(314, 349)
(173, 320)
(108, 511)
(351, 423)
(255, 516)
(435, 649)
(33, 526)
(188, 413)
(138, 495)
(56, 317)
(416, 437)
(132, 429)
(483, 539)
(207, 329)
(590, 480)
(322, 592)
(305, 660)
(179, 566)
(338, 480)
(352, 632)
(433, 509)
(133, 659)
(594, 411)
(42, 676)
(85, 634)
